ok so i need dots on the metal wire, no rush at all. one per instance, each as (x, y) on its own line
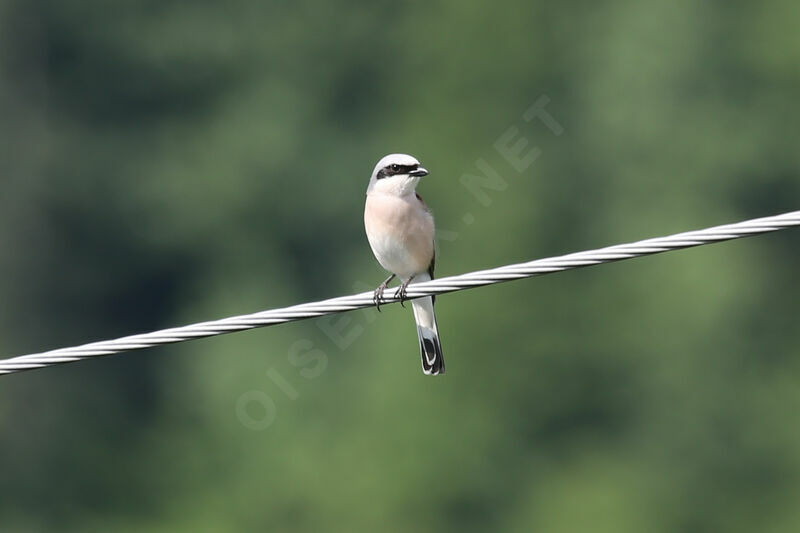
(438, 286)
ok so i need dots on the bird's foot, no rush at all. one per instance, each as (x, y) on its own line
(401, 291)
(378, 295)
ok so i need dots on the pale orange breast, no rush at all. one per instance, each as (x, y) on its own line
(400, 232)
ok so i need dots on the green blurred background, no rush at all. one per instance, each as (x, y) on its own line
(164, 162)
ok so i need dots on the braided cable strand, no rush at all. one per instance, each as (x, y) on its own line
(428, 288)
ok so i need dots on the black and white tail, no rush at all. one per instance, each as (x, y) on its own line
(429, 345)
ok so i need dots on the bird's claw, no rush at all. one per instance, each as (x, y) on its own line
(401, 292)
(378, 296)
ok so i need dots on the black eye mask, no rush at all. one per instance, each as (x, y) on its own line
(394, 170)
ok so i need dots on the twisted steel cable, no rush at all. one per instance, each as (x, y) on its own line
(428, 288)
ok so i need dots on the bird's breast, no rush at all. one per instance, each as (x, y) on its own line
(400, 232)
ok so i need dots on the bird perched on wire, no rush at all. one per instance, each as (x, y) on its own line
(401, 234)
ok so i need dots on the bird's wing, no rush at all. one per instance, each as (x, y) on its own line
(422, 202)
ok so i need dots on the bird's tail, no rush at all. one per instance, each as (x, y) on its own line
(429, 345)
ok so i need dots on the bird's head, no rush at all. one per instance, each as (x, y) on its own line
(396, 174)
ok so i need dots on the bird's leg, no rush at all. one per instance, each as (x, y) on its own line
(401, 291)
(378, 296)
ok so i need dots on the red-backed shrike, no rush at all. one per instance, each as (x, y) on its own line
(401, 234)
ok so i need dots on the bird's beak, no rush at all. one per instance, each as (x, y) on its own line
(418, 173)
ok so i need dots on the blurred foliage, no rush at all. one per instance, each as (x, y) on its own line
(164, 162)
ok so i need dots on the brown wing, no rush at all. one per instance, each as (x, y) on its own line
(422, 202)
(431, 268)
(433, 259)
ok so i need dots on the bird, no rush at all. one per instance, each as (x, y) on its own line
(400, 231)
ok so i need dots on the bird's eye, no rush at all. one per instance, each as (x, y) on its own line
(395, 167)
